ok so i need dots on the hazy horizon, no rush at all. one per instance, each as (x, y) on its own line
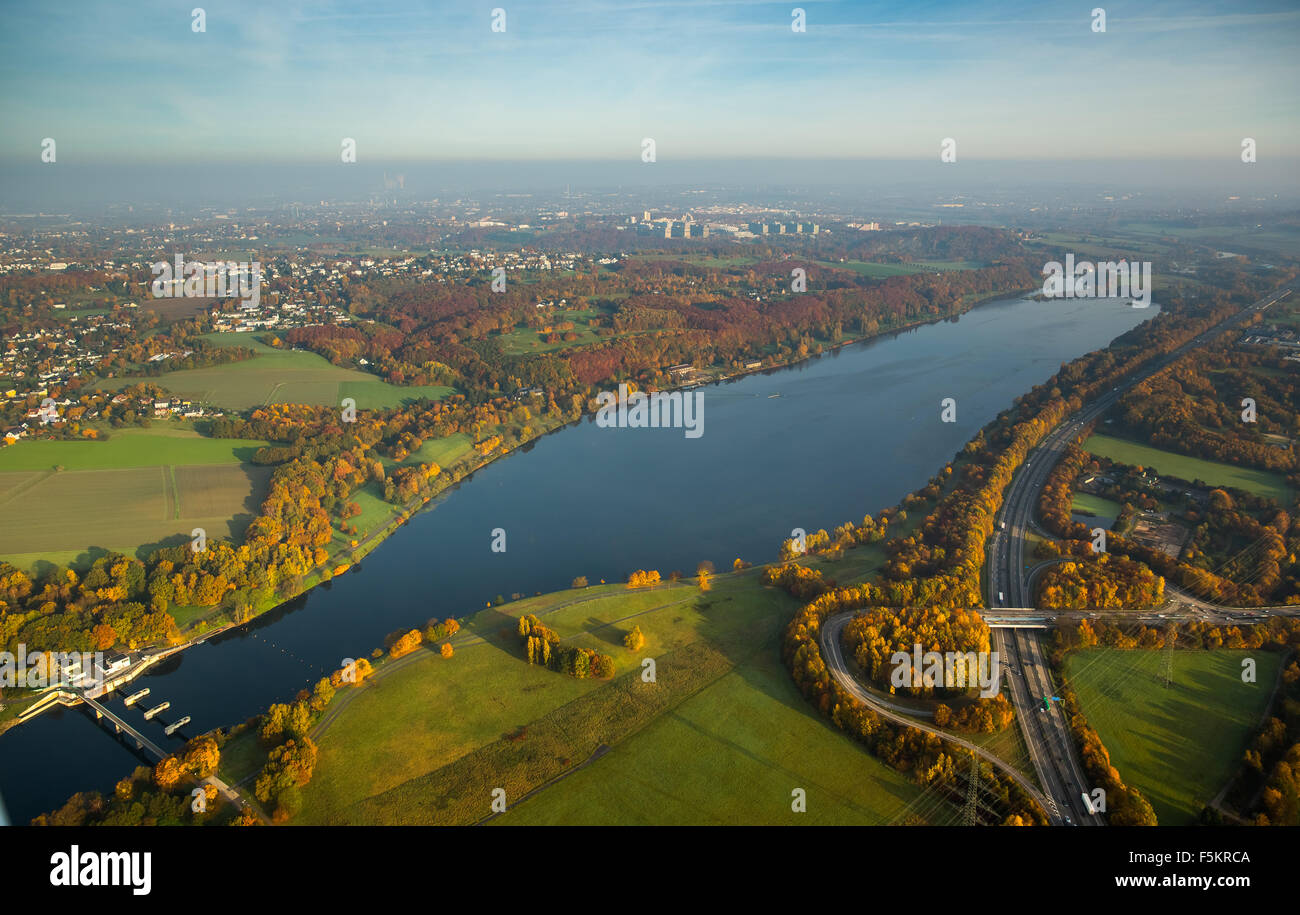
(585, 79)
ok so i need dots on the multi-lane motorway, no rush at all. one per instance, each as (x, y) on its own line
(1045, 731)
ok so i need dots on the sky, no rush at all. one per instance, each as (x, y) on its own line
(284, 81)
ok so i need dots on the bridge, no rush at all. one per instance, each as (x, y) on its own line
(121, 727)
(1018, 618)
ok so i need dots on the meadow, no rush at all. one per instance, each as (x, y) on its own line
(1126, 451)
(720, 736)
(1179, 745)
(278, 376)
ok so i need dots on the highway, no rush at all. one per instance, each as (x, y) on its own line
(1046, 733)
(833, 654)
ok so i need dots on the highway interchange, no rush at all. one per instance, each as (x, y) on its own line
(1018, 632)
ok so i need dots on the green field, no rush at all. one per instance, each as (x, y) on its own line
(278, 376)
(528, 340)
(134, 492)
(1179, 746)
(1102, 509)
(1260, 482)
(429, 739)
(1275, 239)
(153, 447)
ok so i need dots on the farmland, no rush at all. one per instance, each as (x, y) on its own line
(279, 376)
(148, 489)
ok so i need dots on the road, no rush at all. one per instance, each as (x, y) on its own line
(1046, 732)
(833, 655)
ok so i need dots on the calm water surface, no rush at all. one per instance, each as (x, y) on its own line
(810, 446)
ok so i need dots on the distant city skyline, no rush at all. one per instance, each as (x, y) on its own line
(272, 82)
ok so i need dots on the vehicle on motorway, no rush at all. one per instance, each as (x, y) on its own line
(1002, 598)
(1087, 804)
(1046, 704)
(1003, 525)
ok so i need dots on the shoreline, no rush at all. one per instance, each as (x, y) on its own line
(404, 514)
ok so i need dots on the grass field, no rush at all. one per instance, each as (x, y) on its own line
(279, 376)
(1125, 451)
(153, 447)
(1274, 239)
(1178, 746)
(528, 340)
(1101, 509)
(147, 488)
(428, 741)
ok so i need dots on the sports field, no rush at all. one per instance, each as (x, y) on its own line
(428, 741)
(1180, 745)
(1125, 451)
(279, 376)
(134, 492)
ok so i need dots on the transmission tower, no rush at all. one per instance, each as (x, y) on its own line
(1171, 638)
(972, 793)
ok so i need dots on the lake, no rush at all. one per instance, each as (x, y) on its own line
(810, 446)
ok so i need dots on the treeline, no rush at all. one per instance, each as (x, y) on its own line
(1195, 408)
(320, 463)
(1233, 558)
(927, 758)
(938, 566)
(1274, 759)
(1125, 805)
(282, 731)
(1272, 786)
(164, 795)
(655, 313)
(1102, 582)
(542, 647)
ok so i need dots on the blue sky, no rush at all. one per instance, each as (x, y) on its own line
(286, 81)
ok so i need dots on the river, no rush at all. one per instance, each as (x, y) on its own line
(809, 446)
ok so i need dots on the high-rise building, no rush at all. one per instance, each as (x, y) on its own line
(798, 228)
(816, 228)
(645, 217)
(764, 228)
(706, 232)
(686, 230)
(780, 228)
(668, 228)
